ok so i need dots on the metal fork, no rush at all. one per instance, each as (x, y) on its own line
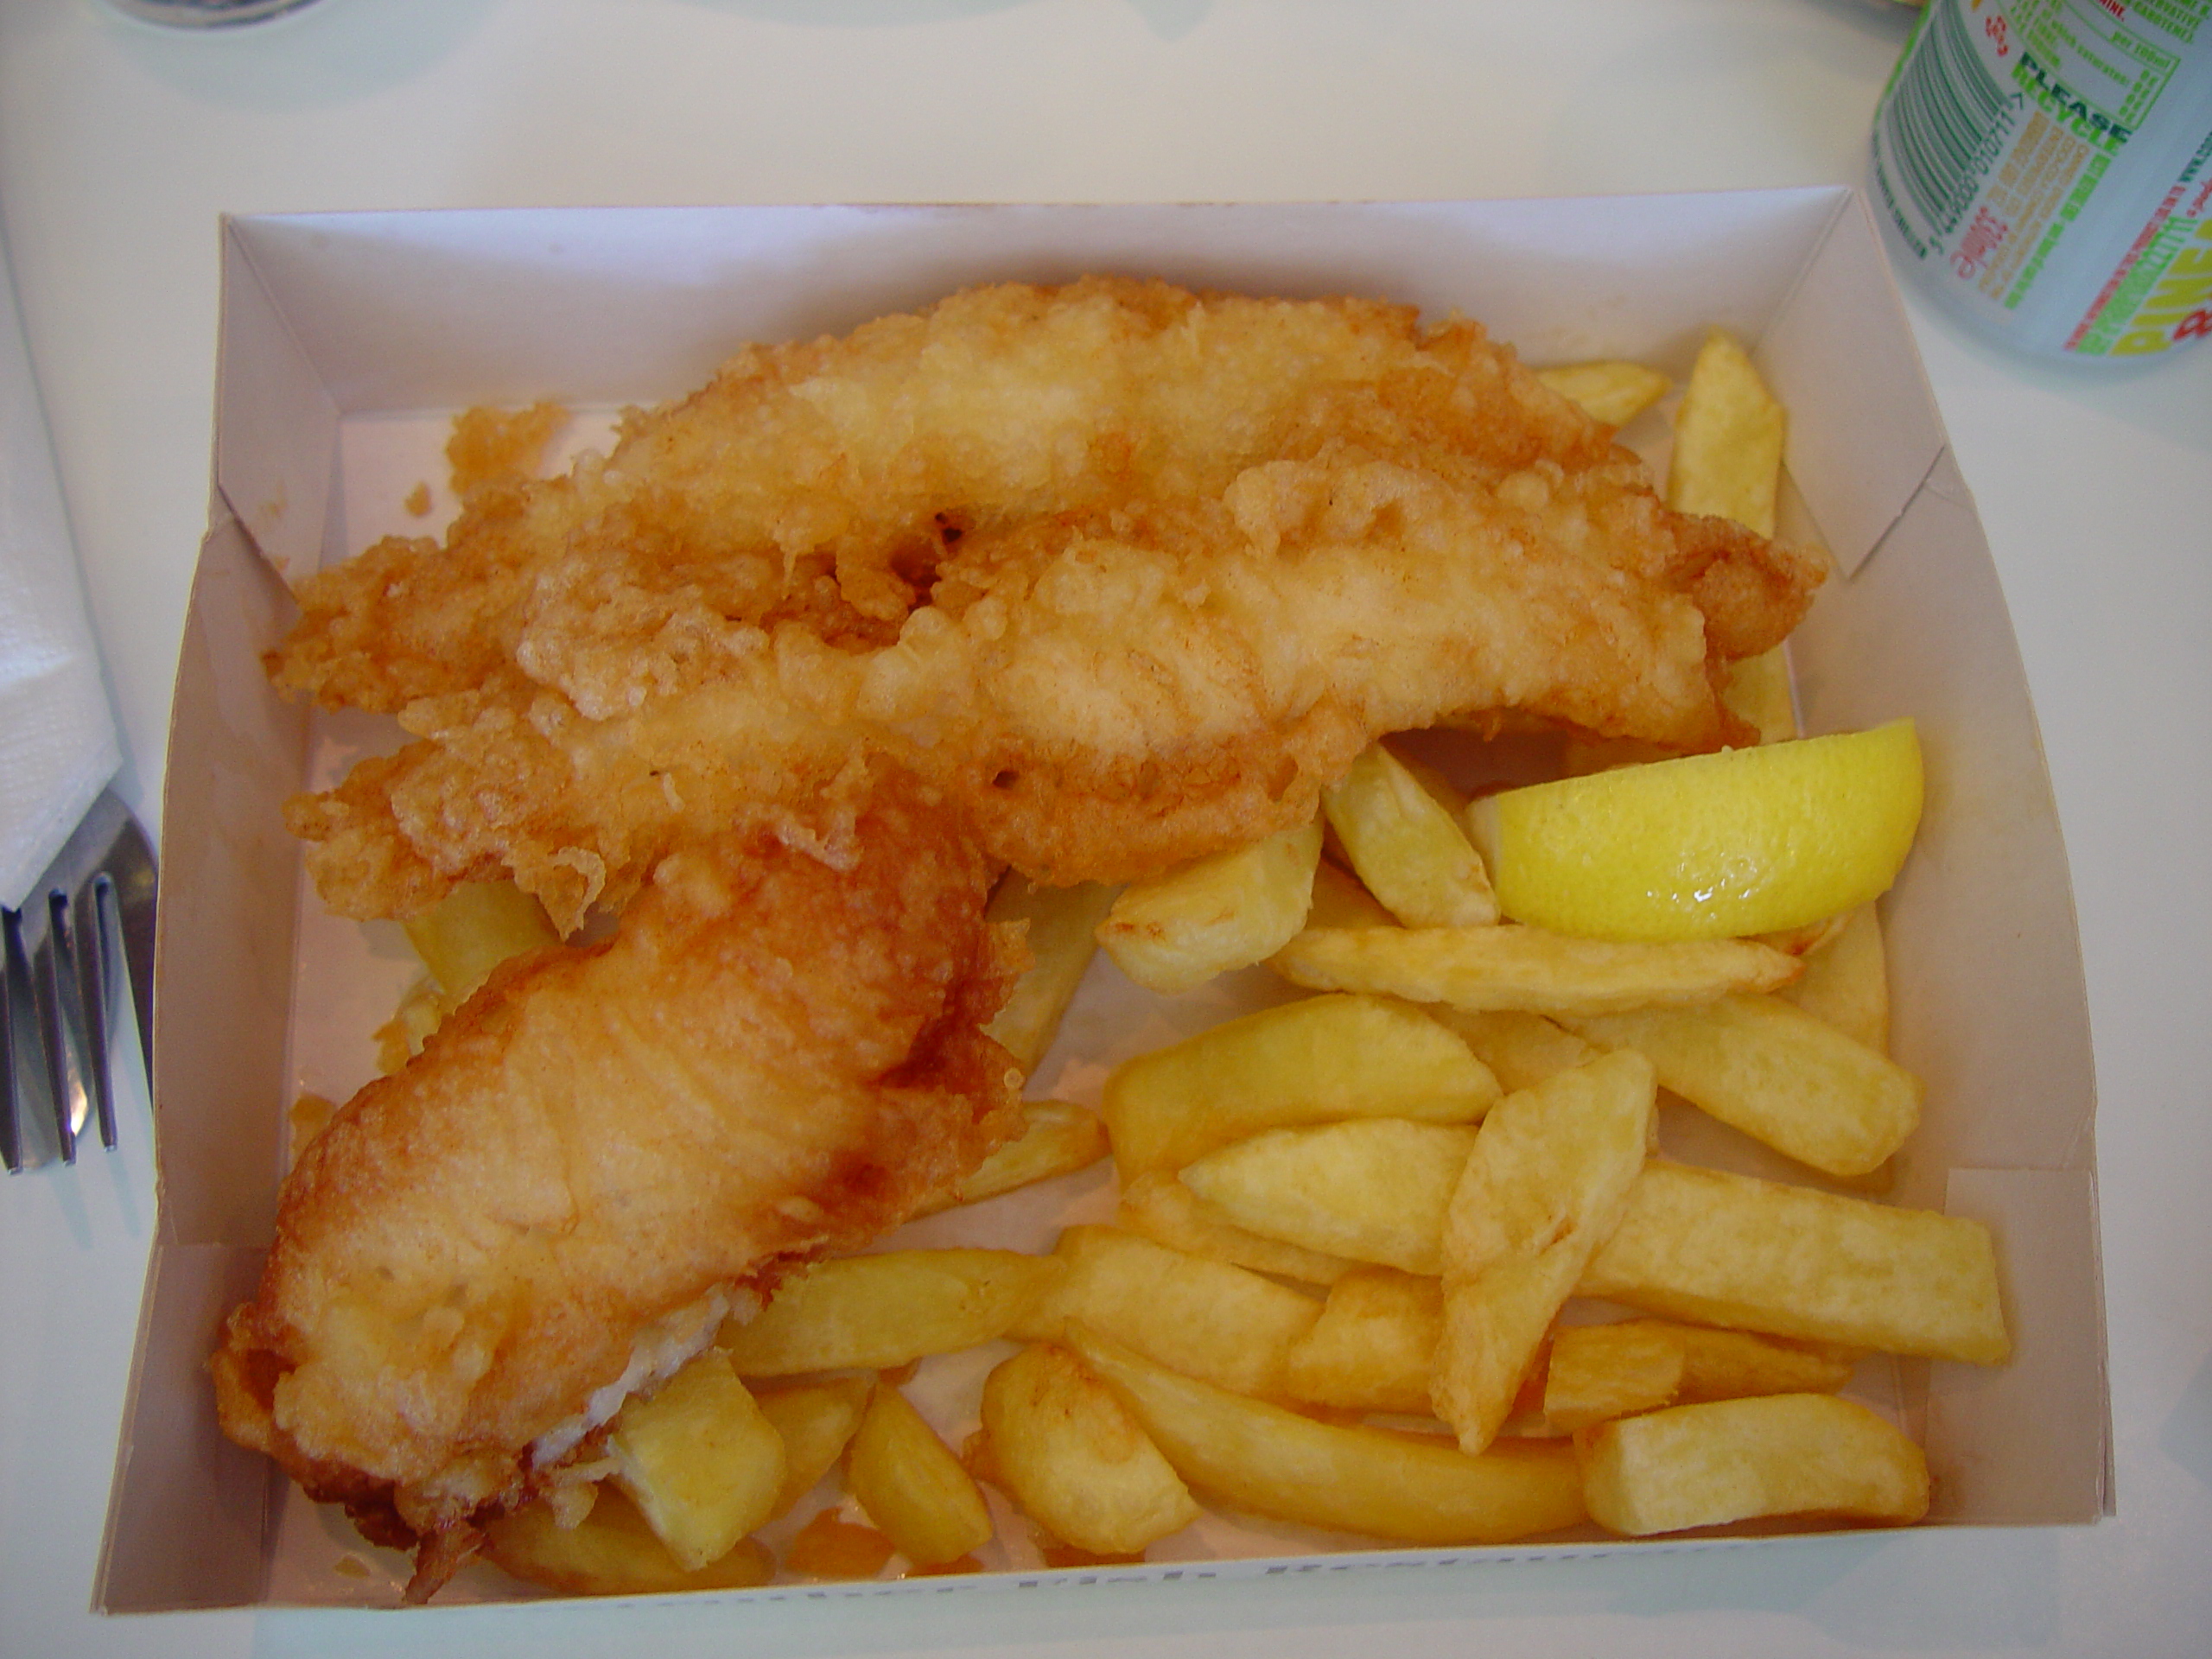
(93, 908)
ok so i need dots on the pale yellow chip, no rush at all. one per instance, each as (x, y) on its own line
(700, 1461)
(1313, 1061)
(1374, 1345)
(1728, 440)
(473, 930)
(1408, 850)
(1778, 1074)
(611, 1552)
(423, 1009)
(1159, 1207)
(1756, 690)
(880, 1312)
(1079, 1464)
(1409, 1489)
(1196, 1315)
(1371, 1189)
(1704, 1466)
(816, 1420)
(1174, 933)
(1847, 982)
(1736, 1364)
(911, 1485)
(1546, 1183)
(1058, 1138)
(1340, 900)
(1527, 968)
(1727, 1249)
(1520, 1049)
(1599, 1372)
(1612, 391)
(1061, 929)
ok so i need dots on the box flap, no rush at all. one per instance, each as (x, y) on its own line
(1981, 923)
(1980, 1418)
(408, 311)
(176, 1476)
(1879, 433)
(276, 425)
(229, 883)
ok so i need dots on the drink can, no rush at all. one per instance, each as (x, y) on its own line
(2045, 168)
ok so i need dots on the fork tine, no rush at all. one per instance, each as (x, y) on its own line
(52, 1025)
(14, 988)
(132, 882)
(96, 990)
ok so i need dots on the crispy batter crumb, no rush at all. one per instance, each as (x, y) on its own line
(500, 446)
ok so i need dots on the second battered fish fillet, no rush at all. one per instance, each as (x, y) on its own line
(1129, 573)
(781, 1053)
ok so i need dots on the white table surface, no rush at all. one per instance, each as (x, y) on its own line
(120, 144)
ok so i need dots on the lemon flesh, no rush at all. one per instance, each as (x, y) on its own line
(1711, 845)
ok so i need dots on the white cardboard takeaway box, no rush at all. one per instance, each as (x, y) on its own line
(348, 340)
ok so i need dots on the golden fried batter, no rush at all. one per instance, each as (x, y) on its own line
(780, 1052)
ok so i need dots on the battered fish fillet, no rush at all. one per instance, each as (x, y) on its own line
(781, 1053)
(1129, 573)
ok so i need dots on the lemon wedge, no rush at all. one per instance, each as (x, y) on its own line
(1711, 845)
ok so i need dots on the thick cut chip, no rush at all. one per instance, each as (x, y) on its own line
(911, 1485)
(1410, 852)
(461, 939)
(1704, 1466)
(815, 1421)
(1314, 1061)
(1373, 1189)
(1599, 1372)
(1163, 1210)
(1520, 1049)
(1062, 936)
(1728, 1250)
(1847, 982)
(473, 930)
(423, 1009)
(1756, 690)
(875, 1313)
(1728, 440)
(1230, 910)
(1546, 1183)
(1410, 1489)
(1201, 1317)
(1736, 1364)
(1778, 1074)
(1058, 1138)
(1372, 1348)
(1527, 968)
(830, 1546)
(611, 1552)
(1340, 900)
(1075, 1459)
(1611, 391)
(700, 1462)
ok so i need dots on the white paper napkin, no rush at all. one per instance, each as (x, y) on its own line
(58, 744)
